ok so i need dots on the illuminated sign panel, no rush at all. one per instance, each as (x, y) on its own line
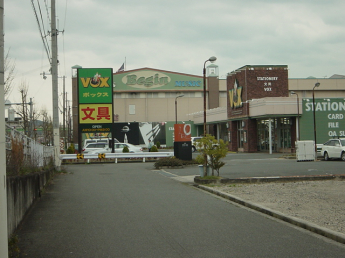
(182, 132)
(95, 85)
(95, 108)
(95, 113)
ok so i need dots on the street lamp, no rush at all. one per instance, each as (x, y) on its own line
(299, 132)
(180, 96)
(211, 59)
(316, 85)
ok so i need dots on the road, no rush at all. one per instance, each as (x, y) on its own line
(263, 164)
(133, 210)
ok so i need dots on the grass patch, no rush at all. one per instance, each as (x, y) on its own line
(13, 249)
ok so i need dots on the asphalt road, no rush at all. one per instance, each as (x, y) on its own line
(132, 210)
(262, 165)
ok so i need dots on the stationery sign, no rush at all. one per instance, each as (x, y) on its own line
(95, 100)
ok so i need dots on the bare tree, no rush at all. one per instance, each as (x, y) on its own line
(23, 110)
(47, 128)
(9, 68)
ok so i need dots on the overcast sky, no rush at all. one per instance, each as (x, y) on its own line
(178, 36)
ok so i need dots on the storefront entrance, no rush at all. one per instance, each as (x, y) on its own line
(280, 134)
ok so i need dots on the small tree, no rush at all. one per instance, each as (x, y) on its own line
(158, 144)
(71, 149)
(213, 150)
(215, 154)
(125, 149)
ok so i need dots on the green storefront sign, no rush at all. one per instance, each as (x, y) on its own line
(95, 100)
(149, 79)
(329, 117)
(95, 85)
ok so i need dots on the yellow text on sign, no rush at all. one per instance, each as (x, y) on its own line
(95, 113)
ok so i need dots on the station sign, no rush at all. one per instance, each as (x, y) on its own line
(329, 119)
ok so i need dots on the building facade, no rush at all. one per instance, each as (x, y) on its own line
(256, 108)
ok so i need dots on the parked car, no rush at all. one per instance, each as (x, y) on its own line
(334, 149)
(118, 148)
(94, 146)
(194, 143)
(99, 140)
(195, 146)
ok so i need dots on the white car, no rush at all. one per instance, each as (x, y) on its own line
(119, 148)
(94, 146)
(194, 143)
(334, 149)
(98, 140)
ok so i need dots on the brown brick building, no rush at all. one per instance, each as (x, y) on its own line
(259, 117)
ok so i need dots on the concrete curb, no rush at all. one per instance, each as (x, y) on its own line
(336, 236)
(277, 179)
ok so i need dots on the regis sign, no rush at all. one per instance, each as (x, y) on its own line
(182, 132)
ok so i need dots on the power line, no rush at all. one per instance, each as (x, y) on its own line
(39, 6)
(40, 30)
(45, 2)
(63, 38)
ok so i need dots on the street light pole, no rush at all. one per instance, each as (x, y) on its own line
(180, 96)
(211, 59)
(299, 132)
(316, 85)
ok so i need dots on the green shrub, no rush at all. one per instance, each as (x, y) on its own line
(154, 148)
(158, 144)
(173, 162)
(125, 149)
(168, 162)
(71, 149)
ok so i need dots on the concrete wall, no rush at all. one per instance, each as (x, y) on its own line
(22, 191)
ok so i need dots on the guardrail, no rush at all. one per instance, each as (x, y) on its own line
(116, 156)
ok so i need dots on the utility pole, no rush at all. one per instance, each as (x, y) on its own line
(31, 119)
(3, 191)
(56, 133)
(64, 113)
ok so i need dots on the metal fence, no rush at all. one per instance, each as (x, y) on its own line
(116, 156)
(32, 150)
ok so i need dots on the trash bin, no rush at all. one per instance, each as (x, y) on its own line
(208, 170)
